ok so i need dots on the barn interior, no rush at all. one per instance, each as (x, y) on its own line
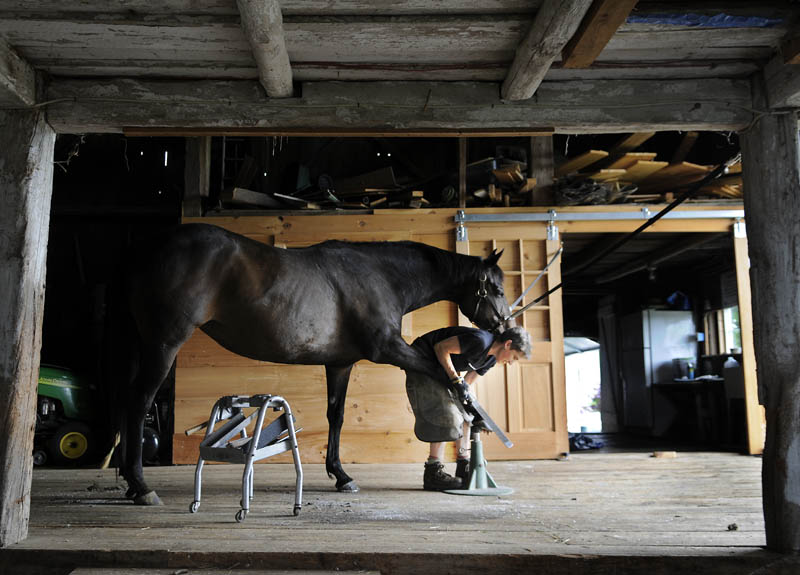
(522, 125)
(111, 190)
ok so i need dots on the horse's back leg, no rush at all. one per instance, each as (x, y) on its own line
(154, 365)
(337, 378)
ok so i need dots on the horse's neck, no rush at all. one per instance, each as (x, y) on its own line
(428, 280)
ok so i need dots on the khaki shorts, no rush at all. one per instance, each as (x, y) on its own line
(439, 415)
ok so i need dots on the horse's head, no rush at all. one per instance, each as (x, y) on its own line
(484, 302)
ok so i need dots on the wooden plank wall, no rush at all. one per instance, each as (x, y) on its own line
(378, 425)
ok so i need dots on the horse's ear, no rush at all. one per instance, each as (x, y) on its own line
(493, 257)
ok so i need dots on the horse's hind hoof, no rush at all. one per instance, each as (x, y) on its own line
(349, 487)
(149, 498)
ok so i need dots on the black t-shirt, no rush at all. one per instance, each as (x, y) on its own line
(474, 343)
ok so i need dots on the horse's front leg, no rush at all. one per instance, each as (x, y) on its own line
(338, 377)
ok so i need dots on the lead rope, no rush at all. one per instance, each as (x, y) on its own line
(533, 283)
(713, 175)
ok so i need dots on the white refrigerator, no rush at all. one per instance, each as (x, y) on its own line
(651, 339)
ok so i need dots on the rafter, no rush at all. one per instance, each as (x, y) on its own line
(17, 78)
(553, 26)
(596, 29)
(262, 23)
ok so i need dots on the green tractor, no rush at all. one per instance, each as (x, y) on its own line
(65, 416)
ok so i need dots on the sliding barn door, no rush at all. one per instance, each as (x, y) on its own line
(528, 398)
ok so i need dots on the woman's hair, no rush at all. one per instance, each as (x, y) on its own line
(520, 340)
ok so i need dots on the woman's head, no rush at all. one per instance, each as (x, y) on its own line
(516, 344)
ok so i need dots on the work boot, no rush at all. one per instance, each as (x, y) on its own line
(462, 472)
(437, 479)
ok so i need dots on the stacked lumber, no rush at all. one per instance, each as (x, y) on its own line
(498, 182)
(377, 188)
(627, 175)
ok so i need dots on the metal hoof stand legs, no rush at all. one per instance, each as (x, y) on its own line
(480, 480)
(221, 444)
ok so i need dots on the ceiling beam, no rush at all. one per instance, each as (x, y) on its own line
(596, 29)
(668, 251)
(553, 26)
(262, 23)
(17, 78)
(396, 108)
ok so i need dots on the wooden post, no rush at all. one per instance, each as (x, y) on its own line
(26, 181)
(540, 166)
(754, 413)
(771, 172)
(462, 172)
(196, 175)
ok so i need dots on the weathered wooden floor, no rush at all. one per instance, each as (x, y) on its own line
(599, 513)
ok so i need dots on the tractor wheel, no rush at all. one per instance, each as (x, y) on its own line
(71, 444)
(150, 446)
(39, 457)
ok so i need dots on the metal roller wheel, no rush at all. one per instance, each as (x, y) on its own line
(194, 506)
(297, 509)
(241, 515)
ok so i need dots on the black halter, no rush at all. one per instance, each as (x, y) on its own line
(482, 295)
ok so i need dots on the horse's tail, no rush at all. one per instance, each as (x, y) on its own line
(121, 365)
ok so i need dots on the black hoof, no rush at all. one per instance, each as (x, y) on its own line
(349, 487)
(149, 498)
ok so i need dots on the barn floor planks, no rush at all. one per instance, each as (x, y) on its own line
(595, 512)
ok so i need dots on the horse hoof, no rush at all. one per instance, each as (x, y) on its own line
(149, 498)
(349, 487)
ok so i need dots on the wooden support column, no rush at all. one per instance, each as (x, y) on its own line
(771, 171)
(754, 413)
(196, 175)
(462, 172)
(26, 181)
(540, 166)
(17, 78)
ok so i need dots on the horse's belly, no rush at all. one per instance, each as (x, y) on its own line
(291, 338)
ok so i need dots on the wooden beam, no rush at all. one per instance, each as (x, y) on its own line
(26, 180)
(783, 84)
(579, 162)
(93, 105)
(541, 168)
(790, 50)
(630, 143)
(771, 170)
(17, 78)
(754, 413)
(687, 142)
(262, 23)
(462, 172)
(553, 26)
(596, 29)
(665, 252)
(196, 175)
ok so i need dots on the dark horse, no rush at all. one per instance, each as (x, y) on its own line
(331, 304)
